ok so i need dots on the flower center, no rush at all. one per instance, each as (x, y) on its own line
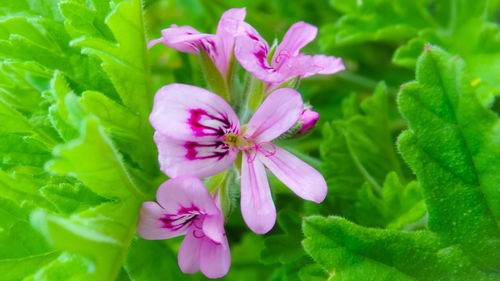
(249, 146)
(238, 141)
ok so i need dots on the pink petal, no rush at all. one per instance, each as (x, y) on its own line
(306, 66)
(213, 227)
(189, 253)
(190, 125)
(251, 50)
(257, 205)
(185, 112)
(278, 113)
(215, 258)
(198, 158)
(230, 22)
(150, 226)
(181, 38)
(228, 27)
(301, 178)
(307, 120)
(185, 193)
(297, 36)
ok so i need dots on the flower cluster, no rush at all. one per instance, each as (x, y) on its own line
(199, 135)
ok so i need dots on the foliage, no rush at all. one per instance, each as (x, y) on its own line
(449, 135)
(77, 157)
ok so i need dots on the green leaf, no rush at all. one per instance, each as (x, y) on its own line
(67, 266)
(313, 272)
(16, 269)
(18, 239)
(101, 142)
(19, 150)
(62, 117)
(445, 23)
(397, 206)
(245, 258)
(351, 252)
(102, 233)
(468, 22)
(280, 247)
(453, 147)
(127, 72)
(152, 261)
(95, 161)
(376, 20)
(359, 150)
(69, 198)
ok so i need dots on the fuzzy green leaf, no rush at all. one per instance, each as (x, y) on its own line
(453, 147)
(351, 252)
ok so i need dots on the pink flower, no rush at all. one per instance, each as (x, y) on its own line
(186, 208)
(198, 133)
(219, 46)
(307, 120)
(252, 52)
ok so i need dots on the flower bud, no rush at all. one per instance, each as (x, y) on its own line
(307, 120)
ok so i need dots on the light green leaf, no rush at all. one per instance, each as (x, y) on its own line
(127, 72)
(19, 150)
(94, 160)
(66, 266)
(152, 261)
(16, 269)
(70, 198)
(49, 88)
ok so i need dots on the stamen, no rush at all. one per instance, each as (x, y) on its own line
(267, 152)
(198, 234)
(239, 141)
(251, 154)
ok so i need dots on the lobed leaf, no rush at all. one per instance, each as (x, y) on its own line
(452, 145)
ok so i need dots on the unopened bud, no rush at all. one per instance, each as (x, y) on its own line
(307, 120)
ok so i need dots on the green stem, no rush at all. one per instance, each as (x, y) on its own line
(362, 81)
(360, 166)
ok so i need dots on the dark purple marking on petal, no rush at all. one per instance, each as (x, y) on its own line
(204, 124)
(184, 217)
(262, 53)
(261, 56)
(216, 149)
(253, 37)
(208, 45)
